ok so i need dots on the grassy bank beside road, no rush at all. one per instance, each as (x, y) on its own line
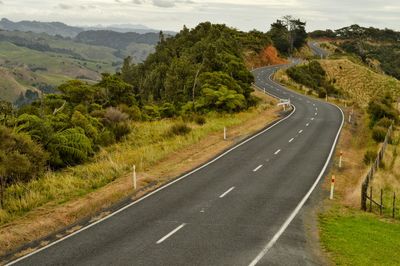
(48, 204)
(352, 237)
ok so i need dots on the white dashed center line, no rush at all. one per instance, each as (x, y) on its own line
(315, 114)
(312, 118)
(257, 168)
(226, 192)
(171, 233)
(278, 151)
(300, 131)
(307, 124)
(290, 140)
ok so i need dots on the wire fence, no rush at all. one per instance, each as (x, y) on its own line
(374, 167)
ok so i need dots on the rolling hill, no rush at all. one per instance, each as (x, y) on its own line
(40, 62)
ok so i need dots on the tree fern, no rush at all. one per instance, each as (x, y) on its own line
(69, 147)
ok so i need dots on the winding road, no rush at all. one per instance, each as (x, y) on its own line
(230, 211)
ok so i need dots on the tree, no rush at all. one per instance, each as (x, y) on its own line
(116, 90)
(21, 159)
(6, 110)
(69, 147)
(288, 34)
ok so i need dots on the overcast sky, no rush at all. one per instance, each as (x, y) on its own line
(173, 14)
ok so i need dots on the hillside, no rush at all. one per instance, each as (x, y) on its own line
(51, 28)
(377, 48)
(357, 81)
(40, 62)
(116, 40)
(61, 29)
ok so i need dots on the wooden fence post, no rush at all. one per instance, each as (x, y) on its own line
(394, 205)
(370, 199)
(381, 206)
(364, 191)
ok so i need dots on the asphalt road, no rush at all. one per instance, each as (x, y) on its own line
(227, 213)
(317, 50)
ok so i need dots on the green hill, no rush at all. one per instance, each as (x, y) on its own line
(40, 62)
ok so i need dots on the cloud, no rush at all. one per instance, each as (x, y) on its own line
(138, 2)
(1, 2)
(164, 3)
(64, 6)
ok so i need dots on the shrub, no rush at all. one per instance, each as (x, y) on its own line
(200, 120)
(321, 94)
(106, 138)
(113, 115)
(150, 113)
(120, 130)
(133, 111)
(180, 129)
(167, 110)
(384, 122)
(379, 133)
(369, 157)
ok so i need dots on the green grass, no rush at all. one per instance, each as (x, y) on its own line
(353, 237)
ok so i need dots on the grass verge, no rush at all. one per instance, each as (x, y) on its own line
(61, 198)
(352, 237)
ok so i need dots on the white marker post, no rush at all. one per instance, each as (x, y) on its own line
(332, 187)
(340, 159)
(224, 133)
(134, 177)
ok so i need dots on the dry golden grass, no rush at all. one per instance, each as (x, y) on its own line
(353, 144)
(358, 82)
(158, 160)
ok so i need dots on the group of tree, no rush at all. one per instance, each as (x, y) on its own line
(358, 32)
(313, 76)
(288, 34)
(369, 44)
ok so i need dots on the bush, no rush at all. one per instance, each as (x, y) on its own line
(384, 122)
(151, 113)
(200, 120)
(106, 138)
(120, 130)
(180, 129)
(369, 157)
(321, 94)
(167, 110)
(133, 111)
(379, 133)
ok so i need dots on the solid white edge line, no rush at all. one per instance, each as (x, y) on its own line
(257, 168)
(291, 140)
(278, 151)
(170, 233)
(226, 192)
(301, 203)
(160, 188)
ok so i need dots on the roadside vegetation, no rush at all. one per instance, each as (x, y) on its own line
(349, 235)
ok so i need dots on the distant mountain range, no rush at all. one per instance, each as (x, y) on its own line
(58, 28)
